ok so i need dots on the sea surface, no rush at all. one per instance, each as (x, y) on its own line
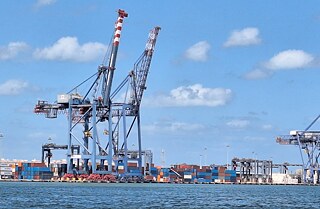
(152, 195)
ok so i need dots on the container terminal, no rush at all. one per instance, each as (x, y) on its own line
(103, 118)
(240, 171)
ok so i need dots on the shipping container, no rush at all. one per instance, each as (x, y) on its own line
(187, 176)
(5, 169)
(4, 164)
(132, 165)
(215, 171)
(6, 173)
(201, 180)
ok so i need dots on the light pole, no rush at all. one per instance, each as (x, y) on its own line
(228, 146)
(205, 156)
(1, 137)
(163, 161)
(200, 161)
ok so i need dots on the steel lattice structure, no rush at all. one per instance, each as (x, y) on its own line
(308, 142)
(101, 121)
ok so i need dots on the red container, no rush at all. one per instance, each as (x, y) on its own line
(132, 165)
(38, 165)
(221, 169)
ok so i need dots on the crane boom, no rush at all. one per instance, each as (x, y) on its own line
(108, 75)
(141, 67)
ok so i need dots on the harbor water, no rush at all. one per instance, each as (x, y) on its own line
(153, 195)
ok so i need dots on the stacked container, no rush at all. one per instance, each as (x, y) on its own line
(190, 175)
(133, 169)
(33, 171)
(5, 171)
(230, 176)
(204, 176)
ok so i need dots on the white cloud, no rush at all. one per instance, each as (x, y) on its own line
(285, 60)
(238, 123)
(198, 51)
(289, 59)
(244, 37)
(258, 74)
(41, 135)
(13, 87)
(194, 95)
(254, 138)
(69, 49)
(267, 127)
(12, 50)
(42, 3)
(170, 126)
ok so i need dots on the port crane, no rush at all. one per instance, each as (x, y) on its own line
(308, 142)
(101, 121)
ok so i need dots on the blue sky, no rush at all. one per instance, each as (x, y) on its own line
(234, 73)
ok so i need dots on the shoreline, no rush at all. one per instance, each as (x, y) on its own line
(119, 182)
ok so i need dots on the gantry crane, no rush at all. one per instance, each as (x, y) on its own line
(308, 142)
(47, 148)
(105, 116)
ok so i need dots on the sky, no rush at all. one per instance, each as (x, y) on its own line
(227, 77)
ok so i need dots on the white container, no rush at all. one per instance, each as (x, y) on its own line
(187, 177)
(5, 169)
(6, 173)
(4, 164)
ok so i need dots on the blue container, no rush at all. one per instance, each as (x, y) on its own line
(43, 169)
(202, 180)
(214, 171)
(232, 172)
(165, 170)
(134, 171)
(154, 172)
(233, 179)
(25, 164)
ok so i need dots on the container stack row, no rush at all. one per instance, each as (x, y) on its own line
(194, 174)
(33, 171)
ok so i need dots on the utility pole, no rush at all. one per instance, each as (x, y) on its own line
(163, 162)
(1, 137)
(205, 156)
(228, 146)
